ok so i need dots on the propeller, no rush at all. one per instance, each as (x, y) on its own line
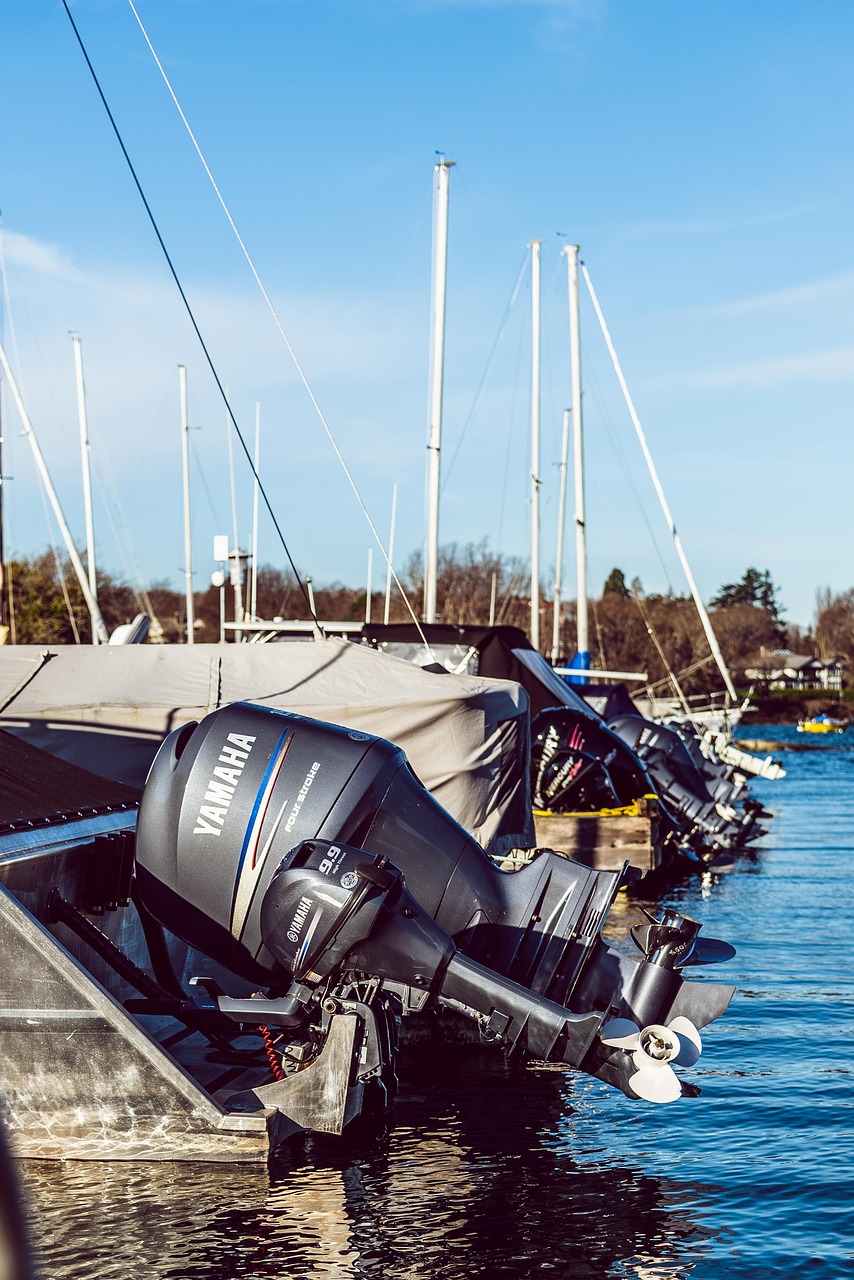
(655, 1050)
(672, 942)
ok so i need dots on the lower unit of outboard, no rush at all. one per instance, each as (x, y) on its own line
(310, 862)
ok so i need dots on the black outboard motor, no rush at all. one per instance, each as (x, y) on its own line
(310, 861)
(578, 763)
(680, 783)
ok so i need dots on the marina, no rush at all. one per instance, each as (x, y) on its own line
(484, 1170)
(434, 947)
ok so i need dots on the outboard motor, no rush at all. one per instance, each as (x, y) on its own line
(309, 861)
(578, 763)
(679, 782)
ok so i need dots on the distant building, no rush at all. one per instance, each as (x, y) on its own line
(782, 669)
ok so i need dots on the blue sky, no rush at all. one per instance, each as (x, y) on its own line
(701, 155)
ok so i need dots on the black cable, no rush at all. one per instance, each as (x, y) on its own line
(189, 311)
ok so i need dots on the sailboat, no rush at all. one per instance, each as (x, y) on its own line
(727, 715)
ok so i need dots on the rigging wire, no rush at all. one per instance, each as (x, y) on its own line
(200, 471)
(671, 675)
(510, 304)
(5, 308)
(591, 380)
(121, 537)
(686, 671)
(60, 574)
(598, 627)
(180, 288)
(668, 515)
(505, 480)
(271, 308)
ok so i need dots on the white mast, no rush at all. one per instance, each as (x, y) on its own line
(369, 585)
(236, 557)
(535, 443)
(253, 597)
(561, 513)
(188, 537)
(91, 602)
(677, 541)
(390, 560)
(87, 479)
(437, 373)
(582, 644)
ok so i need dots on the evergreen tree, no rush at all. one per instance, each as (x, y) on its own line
(755, 588)
(615, 585)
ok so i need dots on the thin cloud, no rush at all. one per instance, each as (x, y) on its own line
(799, 296)
(765, 375)
(44, 259)
(714, 226)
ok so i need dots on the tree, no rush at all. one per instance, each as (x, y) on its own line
(834, 627)
(743, 631)
(755, 588)
(615, 585)
(464, 586)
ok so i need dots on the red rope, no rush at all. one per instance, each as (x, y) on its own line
(275, 1066)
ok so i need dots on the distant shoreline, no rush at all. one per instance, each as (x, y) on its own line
(790, 707)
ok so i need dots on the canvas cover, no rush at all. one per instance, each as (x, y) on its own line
(108, 708)
(503, 653)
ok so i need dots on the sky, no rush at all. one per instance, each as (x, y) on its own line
(700, 155)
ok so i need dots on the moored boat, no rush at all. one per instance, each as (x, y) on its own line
(821, 724)
(257, 947)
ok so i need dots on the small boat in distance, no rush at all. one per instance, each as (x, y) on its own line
(821, 724)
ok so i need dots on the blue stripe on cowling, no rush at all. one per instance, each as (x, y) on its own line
(275, 762)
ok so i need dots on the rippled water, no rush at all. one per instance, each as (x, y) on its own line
(486, 1171)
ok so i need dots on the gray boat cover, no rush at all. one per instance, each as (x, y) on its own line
(108, 708)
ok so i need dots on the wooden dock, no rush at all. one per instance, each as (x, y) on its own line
(605, 840)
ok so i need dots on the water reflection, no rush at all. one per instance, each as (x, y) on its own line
(481, 1174)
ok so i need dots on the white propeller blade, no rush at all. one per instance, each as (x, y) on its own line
(690, 1044)
(620, 1033)
(656, 1082)
(653, 1049)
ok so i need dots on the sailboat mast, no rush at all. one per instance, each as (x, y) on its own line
(85, 459)
(390, 559)
(437, 375)
(188, 536)
(582, 643)
(91, 602)
(536, 481)
(4, 591)
(236, 557)
(677, 541)
(561, 513)
(253, 595)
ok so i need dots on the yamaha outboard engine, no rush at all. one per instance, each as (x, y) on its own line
(579, 763)
(713, 825)
(309, 861)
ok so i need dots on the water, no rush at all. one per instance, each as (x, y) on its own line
(490, 1172)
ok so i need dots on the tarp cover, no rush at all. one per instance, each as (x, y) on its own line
(107, 709)
(502, 653)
